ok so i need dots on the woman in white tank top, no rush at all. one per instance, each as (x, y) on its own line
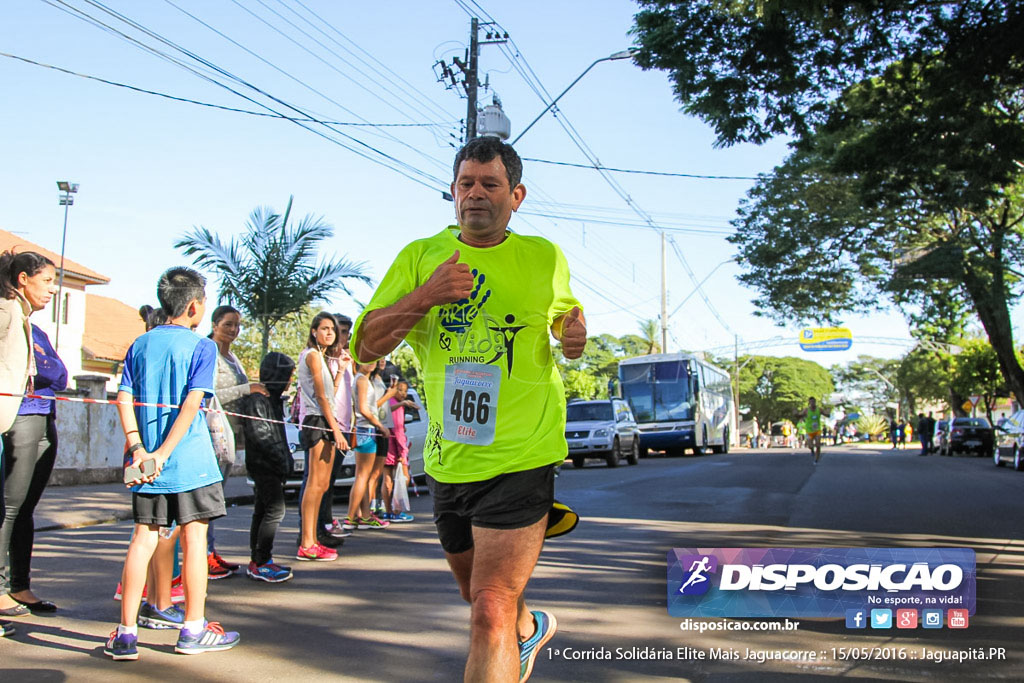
(320, 435)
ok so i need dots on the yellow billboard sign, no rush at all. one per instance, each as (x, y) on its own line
(825, 339)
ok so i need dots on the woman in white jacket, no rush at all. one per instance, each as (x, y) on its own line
(17, 362)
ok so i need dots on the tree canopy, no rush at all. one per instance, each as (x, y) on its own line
(908, 148)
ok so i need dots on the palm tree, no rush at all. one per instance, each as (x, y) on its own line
(271, 271)
(649, 331)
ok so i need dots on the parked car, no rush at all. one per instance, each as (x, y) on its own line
(415, 429)
(602, 429)
(1010, 442)
(971, 435)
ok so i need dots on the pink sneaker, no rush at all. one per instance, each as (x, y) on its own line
(316, 553)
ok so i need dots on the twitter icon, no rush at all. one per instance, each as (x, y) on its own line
(881, 618)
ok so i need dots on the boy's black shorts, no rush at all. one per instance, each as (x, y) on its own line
(188, 506)
(508, 501)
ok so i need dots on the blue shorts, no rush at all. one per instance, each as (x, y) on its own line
(365, 441)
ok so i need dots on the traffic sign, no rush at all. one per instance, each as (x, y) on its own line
(967, 406)
(974, 399)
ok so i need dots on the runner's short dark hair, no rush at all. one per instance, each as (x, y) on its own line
(177, 288)
(485, 148)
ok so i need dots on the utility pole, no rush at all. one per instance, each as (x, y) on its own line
(736, 386)
(664, 299)
(469, 69)
(472, 79)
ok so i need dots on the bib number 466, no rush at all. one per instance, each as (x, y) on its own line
(469, 406)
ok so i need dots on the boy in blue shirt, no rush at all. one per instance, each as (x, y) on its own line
(171, 365)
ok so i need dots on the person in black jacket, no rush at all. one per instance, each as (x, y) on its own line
(268, 461)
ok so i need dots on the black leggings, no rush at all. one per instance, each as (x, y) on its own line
(30, 450)
(267, 514)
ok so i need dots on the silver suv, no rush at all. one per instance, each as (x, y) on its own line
(602, 429)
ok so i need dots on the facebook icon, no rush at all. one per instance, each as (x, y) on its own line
(856, 618)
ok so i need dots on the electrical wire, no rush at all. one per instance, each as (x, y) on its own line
(210, 104)
(357, 147)
(641, 172)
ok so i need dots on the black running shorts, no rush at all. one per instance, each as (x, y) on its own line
(188, 506)
(508, 501)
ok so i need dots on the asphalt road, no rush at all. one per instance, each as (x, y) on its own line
(388, 610)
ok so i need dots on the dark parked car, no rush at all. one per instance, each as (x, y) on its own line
(971, 435)
(602, 429)
(1010, 441)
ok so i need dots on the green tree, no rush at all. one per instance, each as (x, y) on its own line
(778, 388)
(754, 70)
(869, 380)
(272, 271)
(976, 371)
(908, 120)
(650, 332)
(410, 368)
(288, 336)
(580, 384)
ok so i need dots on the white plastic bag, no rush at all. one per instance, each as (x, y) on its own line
(220, 432)
(400, 495)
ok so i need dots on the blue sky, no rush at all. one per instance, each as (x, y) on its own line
(151, 168)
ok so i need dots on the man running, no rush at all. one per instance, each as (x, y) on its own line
(812, 425)
(476, 302)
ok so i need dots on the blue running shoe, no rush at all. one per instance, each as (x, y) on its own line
(269, 572)
(402, 517)
(213, 638)
(545, 628)
(151, 617)
(122, 647)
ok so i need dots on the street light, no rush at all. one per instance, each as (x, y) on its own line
(621, 54)
(65, 200)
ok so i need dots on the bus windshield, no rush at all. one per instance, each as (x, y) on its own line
(658, 392)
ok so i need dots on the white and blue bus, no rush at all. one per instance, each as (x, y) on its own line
(679, 401)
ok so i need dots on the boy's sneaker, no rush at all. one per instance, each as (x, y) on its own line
(122, 647)
(402, 517)
(6, 629)
(215, 569)
(213, 638)
(373, 522)
(349, 524)
(151, 617)
(269, 572)
(545, 628)
(338, 531)
(316, 553)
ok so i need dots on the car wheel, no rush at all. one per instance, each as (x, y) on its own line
(634, 452)
(578, 461)
(644, 450)
(996, 458)
(1018, 461)
(613, 457)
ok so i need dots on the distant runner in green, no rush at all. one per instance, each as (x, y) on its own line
(812, 426)
(478, 304)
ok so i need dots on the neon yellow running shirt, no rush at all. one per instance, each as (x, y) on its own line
(813, 421)
(494, 396)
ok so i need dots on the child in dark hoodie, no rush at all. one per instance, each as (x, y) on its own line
(268, 461)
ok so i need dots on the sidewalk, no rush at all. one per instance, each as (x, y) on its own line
(67, 507)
